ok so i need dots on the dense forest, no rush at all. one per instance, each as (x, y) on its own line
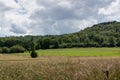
(105, 34)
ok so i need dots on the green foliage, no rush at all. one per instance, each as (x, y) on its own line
(34, 54)
(5, 50)
(45, 43)
(11, 42)
(0, 50)
(118, 42)
(55, 43)
(32, 46)
(64, 45)
(112, 42)
(17, 49)
(38, 46)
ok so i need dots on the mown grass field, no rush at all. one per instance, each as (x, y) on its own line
(78, 52)
(62, 64)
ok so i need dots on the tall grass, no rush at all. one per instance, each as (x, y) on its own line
(61, 68)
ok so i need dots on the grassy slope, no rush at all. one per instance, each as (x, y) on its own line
(78, 52)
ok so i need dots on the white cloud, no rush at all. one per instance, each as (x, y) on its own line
(65, 4)
(111, 9)
(18, 14)
(87, 23)
(9, 3)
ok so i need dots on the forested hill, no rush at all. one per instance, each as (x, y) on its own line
(100, 35)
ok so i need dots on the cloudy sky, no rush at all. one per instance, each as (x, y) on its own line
(49, 17)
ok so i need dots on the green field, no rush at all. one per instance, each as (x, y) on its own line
(94, 52)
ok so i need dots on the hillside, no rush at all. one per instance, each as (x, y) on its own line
(105, 34)
(104, 29)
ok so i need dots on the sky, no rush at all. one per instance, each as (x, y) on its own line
(54, 17)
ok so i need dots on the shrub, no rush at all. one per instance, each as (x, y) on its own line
(34, 54)
(17, 49)
(5, 50)
(0, 50)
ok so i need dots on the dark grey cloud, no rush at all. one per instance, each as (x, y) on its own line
(52, 27)
(55, 13)
(67, 27)
(46, 2)
(17, 30)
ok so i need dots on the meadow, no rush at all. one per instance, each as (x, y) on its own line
(62, 64)
(89, 52)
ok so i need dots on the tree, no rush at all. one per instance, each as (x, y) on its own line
(87, 42)
(75, 39)
(0, 50)
(1, 43)
(112, 42)
(118, 42)
(33, 52)
(45, 43)
(38, 46)
(32, 46)
(55, 43)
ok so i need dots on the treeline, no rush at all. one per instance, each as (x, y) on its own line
(100, 35)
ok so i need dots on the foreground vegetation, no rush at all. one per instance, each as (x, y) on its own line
(59, 68)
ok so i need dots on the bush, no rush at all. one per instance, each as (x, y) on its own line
(5, 50)
(17, 49)
(0, 50)
(34, 54)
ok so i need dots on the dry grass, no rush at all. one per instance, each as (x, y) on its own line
(59, 68)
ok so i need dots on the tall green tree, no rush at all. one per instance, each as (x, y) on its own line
(45, 43)
(112, 41)
(118, 42)
(55, 43)
(33, 52)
